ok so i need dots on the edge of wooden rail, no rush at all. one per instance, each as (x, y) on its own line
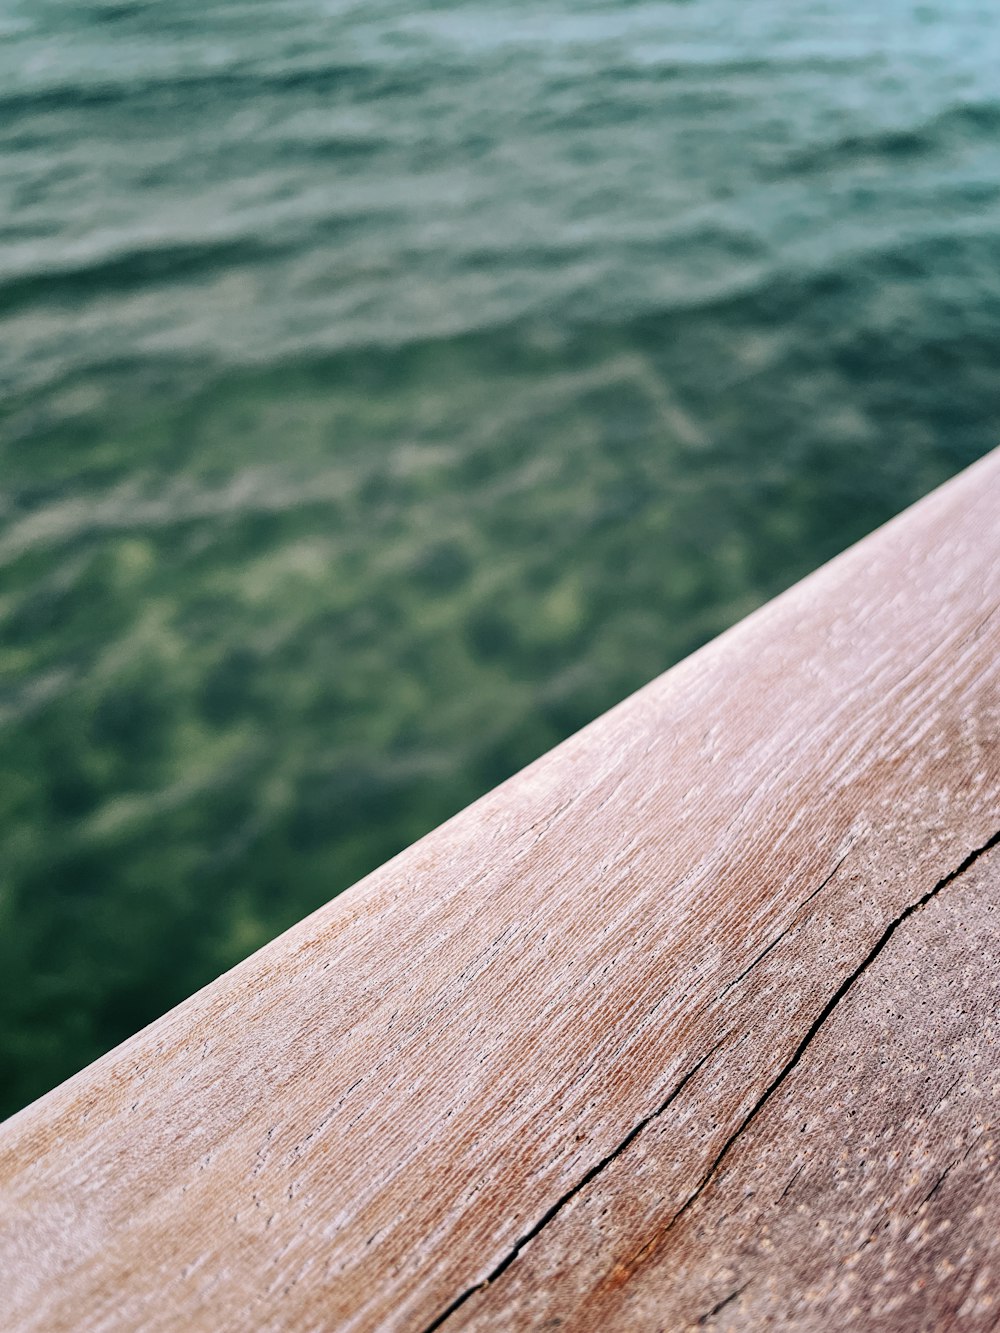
(496, 1081)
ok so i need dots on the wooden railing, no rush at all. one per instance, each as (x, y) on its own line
(692, 1023)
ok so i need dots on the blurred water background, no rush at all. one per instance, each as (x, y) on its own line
(389, 388)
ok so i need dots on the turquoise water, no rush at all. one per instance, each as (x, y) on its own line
(389, 390)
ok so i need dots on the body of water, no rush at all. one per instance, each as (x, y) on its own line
(389, 389)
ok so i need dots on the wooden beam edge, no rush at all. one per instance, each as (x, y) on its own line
(697, 802)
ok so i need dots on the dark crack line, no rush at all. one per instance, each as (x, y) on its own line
(947, 1092)
(873, 1233)
(792, 1179)
(938, 1183)
(944, 1174)
(791, 925)
(571, 1193)
(751, 1115)
(823, 1015)
(726, 1300)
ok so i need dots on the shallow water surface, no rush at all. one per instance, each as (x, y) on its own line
(387, 390)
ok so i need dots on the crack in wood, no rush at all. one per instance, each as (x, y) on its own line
(777, 940)
(571, 1193)
(938, 1183)
(747, 1120)
(944, 1175)
(791, 1180)
(824, 1014)
(719, 1306)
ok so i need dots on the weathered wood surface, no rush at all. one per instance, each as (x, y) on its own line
(693, 1023)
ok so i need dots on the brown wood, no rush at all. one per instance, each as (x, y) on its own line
(692, 1023)
(861, 1190)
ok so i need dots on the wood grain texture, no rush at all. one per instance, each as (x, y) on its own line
(863, 1191)
(568, 1042)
